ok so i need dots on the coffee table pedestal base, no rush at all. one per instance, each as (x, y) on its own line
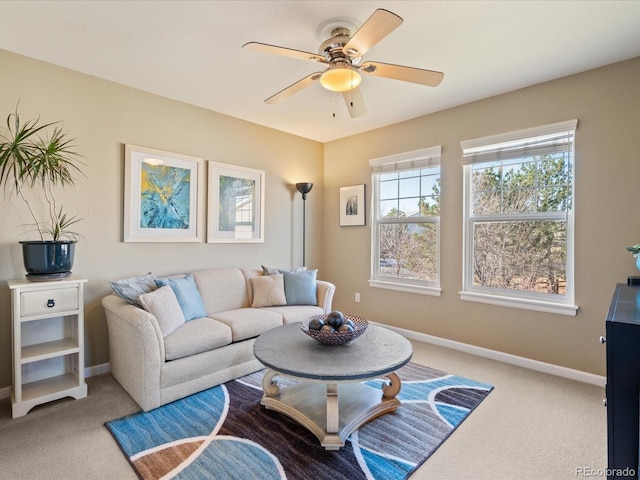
(331, 411)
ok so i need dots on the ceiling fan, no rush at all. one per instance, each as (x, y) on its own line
(343, 52)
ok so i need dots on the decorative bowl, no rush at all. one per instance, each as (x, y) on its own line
(335, 337)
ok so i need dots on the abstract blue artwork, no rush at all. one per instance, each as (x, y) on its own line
(163, 199)
(164, 196)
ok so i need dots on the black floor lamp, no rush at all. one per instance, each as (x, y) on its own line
(304, 188)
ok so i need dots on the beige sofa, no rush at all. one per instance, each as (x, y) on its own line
(156, 369)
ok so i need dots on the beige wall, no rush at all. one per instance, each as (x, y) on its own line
(104, 116)
(606, 102)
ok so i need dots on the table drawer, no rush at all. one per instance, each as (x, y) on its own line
(47, 301)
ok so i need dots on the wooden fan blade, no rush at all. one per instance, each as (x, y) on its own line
(421, 76)
(355, 103)
(293, 89)
(380, 24)
(284, 52)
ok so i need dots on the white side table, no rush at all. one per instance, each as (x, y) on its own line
(48, 342)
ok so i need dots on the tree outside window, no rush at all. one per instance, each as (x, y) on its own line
(528, 254)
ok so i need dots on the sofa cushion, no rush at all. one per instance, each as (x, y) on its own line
(163, 304)
(196, 336)
(300, 288)
(130, 289)
(248, 322)
(268, 291)
(187, 294)
(222, 289)
(296, 313)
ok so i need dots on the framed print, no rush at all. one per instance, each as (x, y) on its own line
(236, 204)
(352, 205)
(162, 193)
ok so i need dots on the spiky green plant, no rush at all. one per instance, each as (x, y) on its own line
(635, 249)
(29, 162)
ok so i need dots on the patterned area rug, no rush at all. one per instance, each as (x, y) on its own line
(224, 433)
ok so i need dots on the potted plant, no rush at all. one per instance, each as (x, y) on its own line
(635, 250)
(36, 158)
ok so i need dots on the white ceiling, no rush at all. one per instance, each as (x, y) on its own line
(191, 51)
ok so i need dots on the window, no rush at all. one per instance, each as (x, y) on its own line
(518, 213)
(405, 226)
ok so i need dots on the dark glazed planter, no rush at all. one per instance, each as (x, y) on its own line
(48, 260)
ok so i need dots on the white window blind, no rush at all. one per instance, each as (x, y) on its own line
(520, 144)
(424, 158)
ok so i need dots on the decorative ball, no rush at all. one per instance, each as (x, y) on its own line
(316, 324)
(335, 319)
(349, 328)
(345, 328)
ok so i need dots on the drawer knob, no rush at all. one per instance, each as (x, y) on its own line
(603, 339)
(51, 303)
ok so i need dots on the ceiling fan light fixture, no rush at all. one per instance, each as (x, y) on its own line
(340, 79)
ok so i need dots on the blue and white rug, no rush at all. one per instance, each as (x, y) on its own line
(224, 433)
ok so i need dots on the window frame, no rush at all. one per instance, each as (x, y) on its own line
(413, 160)
(484, 151)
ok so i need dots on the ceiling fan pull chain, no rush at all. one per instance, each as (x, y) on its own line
(351, 91)
(333, 101)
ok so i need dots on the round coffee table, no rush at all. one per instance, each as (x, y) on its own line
(330, 397)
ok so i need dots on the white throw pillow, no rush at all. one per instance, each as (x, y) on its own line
(268, 291)
(163, 304)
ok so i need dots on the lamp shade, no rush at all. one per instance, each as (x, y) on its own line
(340, 79)
(304, 188)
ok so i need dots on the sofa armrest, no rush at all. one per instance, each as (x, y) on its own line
(325, 295)
(136, 350)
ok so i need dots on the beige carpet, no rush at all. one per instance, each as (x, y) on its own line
(532, 426)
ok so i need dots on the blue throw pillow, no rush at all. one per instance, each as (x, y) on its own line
(187, 294)
(300, 287)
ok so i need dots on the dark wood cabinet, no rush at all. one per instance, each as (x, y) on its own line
(623, 382)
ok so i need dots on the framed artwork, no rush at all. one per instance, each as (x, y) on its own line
(352, 205)
(162, 196)
(235, 204)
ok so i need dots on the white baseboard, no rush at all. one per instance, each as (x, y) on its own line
(536, 365)
(523, 362)
(97, 370)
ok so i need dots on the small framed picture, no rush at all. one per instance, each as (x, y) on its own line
(352, 205)
(163, 196)
(236, 204)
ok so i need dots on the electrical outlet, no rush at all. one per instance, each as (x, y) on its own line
(357, 297)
